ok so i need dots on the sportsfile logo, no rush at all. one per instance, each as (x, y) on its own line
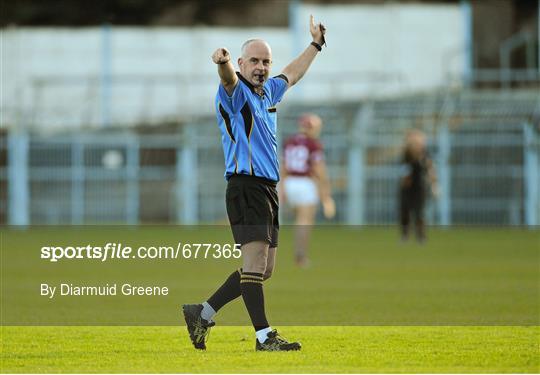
(113, 250)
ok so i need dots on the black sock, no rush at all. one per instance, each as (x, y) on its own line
(227, 292)
(251, 285)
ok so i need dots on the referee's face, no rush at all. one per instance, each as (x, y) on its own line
(256, 62)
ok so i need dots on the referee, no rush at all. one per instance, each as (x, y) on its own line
(247, 117)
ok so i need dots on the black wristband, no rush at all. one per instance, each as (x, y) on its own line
(317, 45)
(224, 62)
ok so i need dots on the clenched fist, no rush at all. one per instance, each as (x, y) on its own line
(221, 56)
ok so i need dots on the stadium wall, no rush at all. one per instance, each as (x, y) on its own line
(60, 77)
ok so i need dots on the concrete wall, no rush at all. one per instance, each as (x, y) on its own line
(98, 76)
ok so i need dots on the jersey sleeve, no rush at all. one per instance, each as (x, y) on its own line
(233, 103)
(278, 86)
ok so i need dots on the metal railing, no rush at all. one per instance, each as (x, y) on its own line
(485, 145)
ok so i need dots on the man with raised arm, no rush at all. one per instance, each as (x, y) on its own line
(247, 117)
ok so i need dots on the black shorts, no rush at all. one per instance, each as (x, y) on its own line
(252, 207)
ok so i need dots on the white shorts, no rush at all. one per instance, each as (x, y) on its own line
(301, 191)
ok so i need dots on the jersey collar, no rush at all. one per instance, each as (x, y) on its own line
(248, 84)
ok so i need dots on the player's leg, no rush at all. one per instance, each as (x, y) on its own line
(302, 195)
(270, 263)
(305, 217)
(255, 255)
(227, 292)
(418, 211)
(273, 341)
(269, 339)
(230, 289)
(404, 213)
(199, 317)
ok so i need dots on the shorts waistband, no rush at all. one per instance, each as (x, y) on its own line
(245, 177)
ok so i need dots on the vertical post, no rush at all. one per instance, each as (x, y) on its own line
(18, 182)
(443, 171)
(187, 178)
(132, 183)
(529, 39)
(355, 212)
(106, 70)
(531, 176)
(504, 57)
(468, 67)
(356, 166)
(77, 182)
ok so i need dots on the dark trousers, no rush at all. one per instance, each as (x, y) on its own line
(412, 207)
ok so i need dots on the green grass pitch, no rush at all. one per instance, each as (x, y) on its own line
(230, 349)
(465, 302)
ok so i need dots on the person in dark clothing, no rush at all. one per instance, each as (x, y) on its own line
(417, 180)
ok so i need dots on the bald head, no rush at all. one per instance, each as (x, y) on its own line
(252, 45)
(255, 62)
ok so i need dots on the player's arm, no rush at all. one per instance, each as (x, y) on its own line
(281, 190)
(282, 171)
(325, 191)
(299, 66)
(432, 178)
(405, 179)
(222, 58)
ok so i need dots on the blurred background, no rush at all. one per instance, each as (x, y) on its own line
(107, 106)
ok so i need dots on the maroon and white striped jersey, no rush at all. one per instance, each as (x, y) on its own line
(300, 153)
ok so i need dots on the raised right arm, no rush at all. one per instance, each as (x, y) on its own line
(222, 58)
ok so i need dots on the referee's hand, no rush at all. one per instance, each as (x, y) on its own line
(221, 56)
(317, 31)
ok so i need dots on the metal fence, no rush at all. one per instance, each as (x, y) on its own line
(485, 145)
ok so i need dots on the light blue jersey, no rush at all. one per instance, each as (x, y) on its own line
(248, 124)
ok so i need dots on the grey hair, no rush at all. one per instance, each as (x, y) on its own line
(248, 42)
